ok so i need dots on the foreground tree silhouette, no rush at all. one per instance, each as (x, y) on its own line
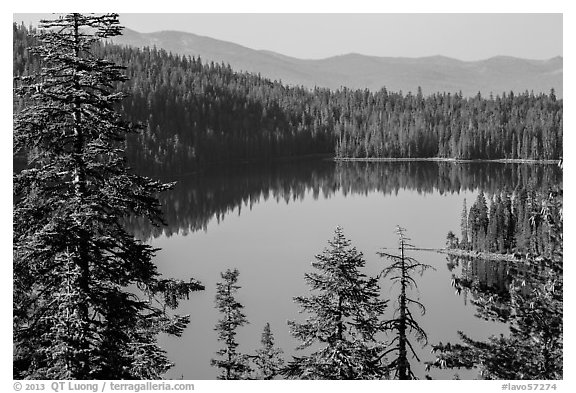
(403, 324)
(343, 318)
(88, 302)
(233, 364)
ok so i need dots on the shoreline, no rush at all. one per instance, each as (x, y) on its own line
(489, 256)
(452, 160)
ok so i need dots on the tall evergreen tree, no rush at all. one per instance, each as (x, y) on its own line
(87, 296)
(268, 358)
(464, 225)
(478, 222)
(509, 222)
(233, 364)
(493, 231)
(344, 318)
(403, 323)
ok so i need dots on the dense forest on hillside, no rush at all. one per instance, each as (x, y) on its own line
(198, 114)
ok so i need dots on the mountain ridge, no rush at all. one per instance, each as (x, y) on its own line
(437, 73)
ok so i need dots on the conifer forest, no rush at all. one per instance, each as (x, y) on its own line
(176, 218)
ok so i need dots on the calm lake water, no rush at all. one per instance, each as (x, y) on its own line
(270, 222)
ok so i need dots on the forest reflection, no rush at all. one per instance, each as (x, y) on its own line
(201, 197)
(489, 285)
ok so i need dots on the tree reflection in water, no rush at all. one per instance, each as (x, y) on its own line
(213, 194)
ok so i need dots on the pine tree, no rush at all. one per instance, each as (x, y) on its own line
(86, 293)
(404, 323)
(500, 218)
(344, 318)
(268, 359)
(233, 364)
(509, 222)
(451, 240)
(464, 226)
(493, 228)
(478, 223)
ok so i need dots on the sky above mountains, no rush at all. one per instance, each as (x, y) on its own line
(471, 36)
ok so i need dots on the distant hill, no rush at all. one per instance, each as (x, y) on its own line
(436, 73)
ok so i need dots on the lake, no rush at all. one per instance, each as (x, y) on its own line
(270, 221)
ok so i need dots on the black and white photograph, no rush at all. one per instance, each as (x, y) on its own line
(287, 196)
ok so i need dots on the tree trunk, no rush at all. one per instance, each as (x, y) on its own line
(402, 354)
(80, 192)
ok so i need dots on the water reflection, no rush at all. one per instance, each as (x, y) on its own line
(294, 207)
(527, 297)
(489, 284)
(199, 198)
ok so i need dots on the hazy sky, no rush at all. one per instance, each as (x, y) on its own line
(469, 36)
